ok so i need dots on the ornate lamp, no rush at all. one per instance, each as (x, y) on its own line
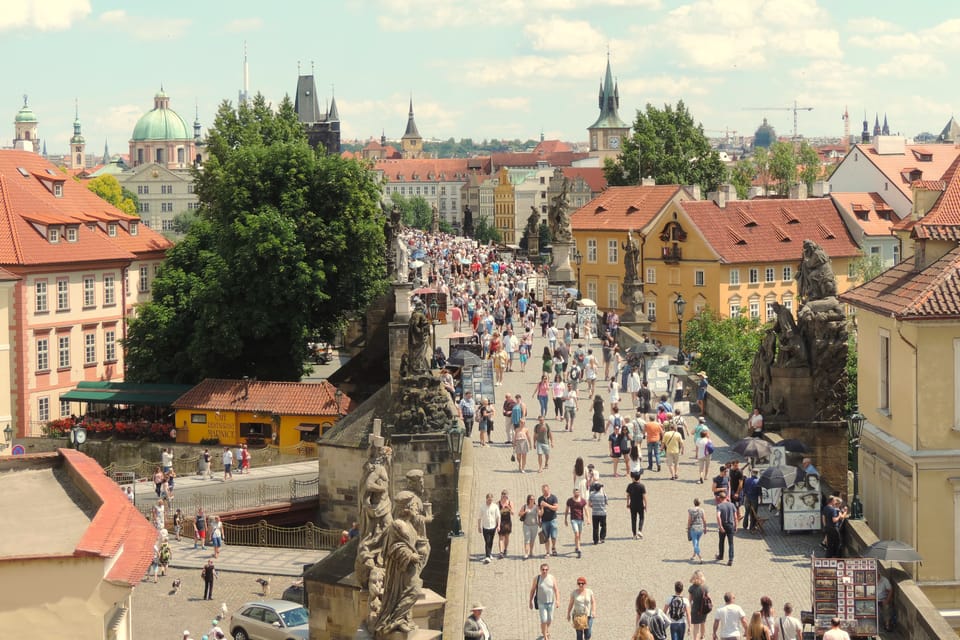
(855, 422)
(578, 259)
(7, 437)
(455, 438)
(681, 306)
(434, 316)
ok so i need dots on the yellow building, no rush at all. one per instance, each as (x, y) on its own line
(908, 388)
(256, 412)
(732, 256)
(505, 207)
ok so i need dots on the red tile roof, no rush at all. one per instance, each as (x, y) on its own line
(118, 530)
(25, 198)
(286, 398)
(552, 146)
(866, 208)
(431, 169)
(901, 292)
(623, 208)
(533, 159)
(892, 165)
(748, 231)
(942, 221)
(593, 176)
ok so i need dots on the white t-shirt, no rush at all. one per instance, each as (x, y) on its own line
(790, 628)
(228, 457)
(729, 616)
(702, 447)
(489, 516)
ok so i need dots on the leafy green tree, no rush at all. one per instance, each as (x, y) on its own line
(485, 232)
(741, 176)
(851, 371)
(108, 188)
(544, 233)
(761, 167)
(287, 242)
(783, 166)
(667, 145)
(810, 166)
(866, 268)
(725, 348)
(416, 211)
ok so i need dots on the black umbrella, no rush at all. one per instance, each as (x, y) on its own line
(643, 348)
(675, 370)
(793, 445)
(780, 477)
(892, 551)
(464, 358)
(751, 448)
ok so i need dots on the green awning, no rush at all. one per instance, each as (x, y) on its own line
(126, 393)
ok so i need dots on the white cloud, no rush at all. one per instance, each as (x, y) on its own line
(557, 34)
(144, 27)
(664, 87)
(907, 65)
(943, 35)
(509, 104)
(527, 70)
(45, 15)
(870, 24)
(116, 121)
(243, 24)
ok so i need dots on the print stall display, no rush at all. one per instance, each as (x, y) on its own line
(845, 588)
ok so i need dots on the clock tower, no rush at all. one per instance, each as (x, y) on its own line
(609, 131)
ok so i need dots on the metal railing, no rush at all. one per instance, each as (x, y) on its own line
(264, 534)
(236, 498)
(266, 457)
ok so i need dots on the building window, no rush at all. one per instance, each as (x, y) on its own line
(190, 188)
(592, 289)
(40, 294)
(768, 274)
(884, 391)
(43, 409)
(591, 249)
(110, 345)
(754, 276)
(143, 284)
(166, 225)
(143, 207)
(613, 252)
(64, 408)
(734, 309)
(198, 418)
(166, 188)
(788, 304)
(769, 310)
(143, 189)
(755, 309)
(57, 190)
(896, 254)
(112, 229)
(90, 348)
(612, 298)
(63, 352)
(652, 310)
(134, 227)
(63, 295)
(734, 276)
(53, 234)
(699, 278)
(43, 354)
(71, 234)
(109, 289)
(787, 274)
(651, 275)
(89, 291)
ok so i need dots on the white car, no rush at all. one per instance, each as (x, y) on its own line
(270, 620)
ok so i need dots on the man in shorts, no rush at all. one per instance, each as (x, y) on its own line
(543, 438)
(227, 464)
(547, 505)
(673, 444)
(576, 510)
(544, 595)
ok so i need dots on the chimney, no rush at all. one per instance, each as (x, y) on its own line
(719, 197)
(798, 191)
(755, 192)
(821, 189)
(693, 190)
(648, 182)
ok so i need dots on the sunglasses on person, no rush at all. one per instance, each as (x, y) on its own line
(580, 584)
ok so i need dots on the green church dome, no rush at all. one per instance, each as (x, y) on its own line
(161, 123)
(25, 115)
(765, 135)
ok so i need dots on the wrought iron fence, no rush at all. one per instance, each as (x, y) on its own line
(266, 457)
(237, 497)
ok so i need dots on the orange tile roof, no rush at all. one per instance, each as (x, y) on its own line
(552, 146)
(118, 530)
(869, 205)
(748, 231)
(900, 292)
(942, 221)
(593, 176)
(532, 159)
(24, 198)
(623, 208)
(286, 398)
(451, 169)
(892, 165)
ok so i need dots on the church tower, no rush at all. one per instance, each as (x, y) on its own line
(25, 129)
(609, 131)
(411, 144)
(77, 144)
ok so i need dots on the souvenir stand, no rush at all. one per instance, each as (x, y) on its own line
(845, 588)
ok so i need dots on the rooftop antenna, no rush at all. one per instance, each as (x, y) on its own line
(298, 67)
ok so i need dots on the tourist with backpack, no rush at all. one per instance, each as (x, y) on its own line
(700, 605)
(677, 609)
(655, 620)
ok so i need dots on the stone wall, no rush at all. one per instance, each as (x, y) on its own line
(724, 413)
(828, 444)
(915, 612)
(340, 467)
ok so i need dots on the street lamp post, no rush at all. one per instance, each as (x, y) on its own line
(681, 306)
(434, 313)
(7, 438)
(855, 422)
(578, 259)
(455, 437)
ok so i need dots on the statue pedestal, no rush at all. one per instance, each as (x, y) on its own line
(791, 393)
(632, 299)
(401, 296)
(533, 246)
(561, 272)
(429, 605)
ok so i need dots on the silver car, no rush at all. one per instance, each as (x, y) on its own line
(270, 620)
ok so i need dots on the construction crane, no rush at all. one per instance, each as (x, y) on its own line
(727, 133)
(794, 108)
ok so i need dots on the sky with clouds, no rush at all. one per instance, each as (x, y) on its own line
(496, 69)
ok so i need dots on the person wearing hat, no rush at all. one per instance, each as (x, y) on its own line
(752, 491)
(475, 627)
(702, 390)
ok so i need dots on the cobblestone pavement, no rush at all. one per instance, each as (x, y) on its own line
(773, 564)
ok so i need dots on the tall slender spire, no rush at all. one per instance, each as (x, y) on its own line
(609, 102)
(411, 131)
(244, 95)
(333, 113)
(106, 152)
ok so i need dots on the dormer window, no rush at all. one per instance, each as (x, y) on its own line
(112, 229)
(53, 235)
(72, 234)
(57, 190)
(134, 227)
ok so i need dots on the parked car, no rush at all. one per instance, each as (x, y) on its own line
(270, 620)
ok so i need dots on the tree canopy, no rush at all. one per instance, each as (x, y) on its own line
(108, 188)
(288, 240)
(725, 348)
(668, 146)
